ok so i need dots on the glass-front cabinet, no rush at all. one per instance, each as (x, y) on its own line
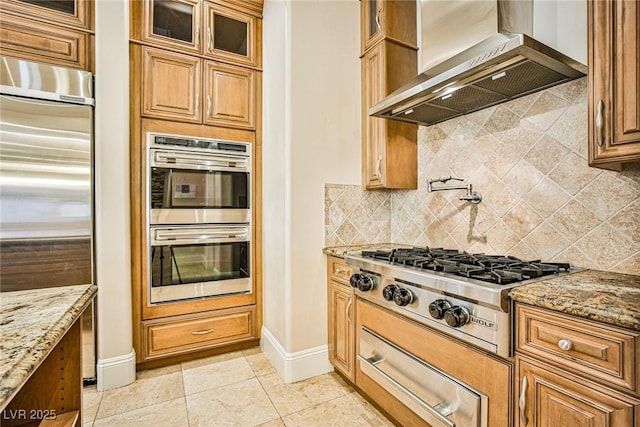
(202, 27)
(231, 35)
(68, 12)
(371, 16)
(175, 23)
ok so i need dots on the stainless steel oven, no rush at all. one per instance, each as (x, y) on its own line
(197, 180)
(199, 261)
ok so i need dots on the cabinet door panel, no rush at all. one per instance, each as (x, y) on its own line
(231, 35)
(373, 72)
(549, 398)
(230, 96)
(171, 86)
(173, 23)
(67, 12)
(43, 42)
(342, 344)
(614, 82)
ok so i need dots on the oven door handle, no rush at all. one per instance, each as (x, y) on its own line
(173, 236)
(372, 362)
(178, 159)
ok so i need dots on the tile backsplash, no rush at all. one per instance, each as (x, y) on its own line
(528, 159)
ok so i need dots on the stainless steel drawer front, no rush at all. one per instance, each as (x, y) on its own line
(433, 395)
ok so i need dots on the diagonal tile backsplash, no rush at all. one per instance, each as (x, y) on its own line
(528, 159)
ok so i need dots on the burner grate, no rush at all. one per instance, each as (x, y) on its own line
(498, 269)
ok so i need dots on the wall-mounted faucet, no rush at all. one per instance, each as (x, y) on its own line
(471, 196)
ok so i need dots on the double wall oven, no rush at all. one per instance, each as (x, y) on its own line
(199, 210)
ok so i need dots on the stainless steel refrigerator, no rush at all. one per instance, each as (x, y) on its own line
(46, 181)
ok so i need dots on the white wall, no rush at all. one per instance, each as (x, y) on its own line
(115, 358)
(311, 137)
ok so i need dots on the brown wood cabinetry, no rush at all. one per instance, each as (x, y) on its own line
(390, 19)
(194, 72)
(341, 317)
(568, 369)
(389, 148)
(180, 334)
(614, 82)
(57, 33)
(171, 85)
(175, 87)
(219, 30)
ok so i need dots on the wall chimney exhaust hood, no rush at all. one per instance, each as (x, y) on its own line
(478, 53)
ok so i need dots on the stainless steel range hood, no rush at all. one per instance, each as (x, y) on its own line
(476, 53)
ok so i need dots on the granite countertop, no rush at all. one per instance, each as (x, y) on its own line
(341, 251)
(31, 324)
(612, 298)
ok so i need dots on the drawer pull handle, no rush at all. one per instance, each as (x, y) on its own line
(203, 332)
(565, 344)
(522, 402)
(339, 270)
(600, 123)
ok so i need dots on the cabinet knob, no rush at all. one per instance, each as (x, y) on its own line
(565, 344)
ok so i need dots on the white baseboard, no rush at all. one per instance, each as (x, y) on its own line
(116, 371)
(296, 366)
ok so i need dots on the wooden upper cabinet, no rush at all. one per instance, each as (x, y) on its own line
(199, 27)
(389, 147)
(171, 85)
(384, 19)
(614, 82)
(172, 23)
(77, 13)
(229, 95)
(231, 35)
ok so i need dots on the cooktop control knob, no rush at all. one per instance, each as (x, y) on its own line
(402, 297)
(389, 291)
(366, 283)
(456, 316)
(355, 278)
(438, 307)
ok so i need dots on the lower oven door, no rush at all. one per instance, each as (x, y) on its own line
(199, 262)
(439, 399)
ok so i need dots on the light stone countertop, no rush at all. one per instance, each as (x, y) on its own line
(341, 251)
(32, 322)
(612, 298)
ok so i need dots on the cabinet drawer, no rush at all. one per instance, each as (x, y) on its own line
(338, 270)
(601, 352)
(41, 42)
(179, 335)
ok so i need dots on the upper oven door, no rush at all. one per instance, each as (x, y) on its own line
(190, 187)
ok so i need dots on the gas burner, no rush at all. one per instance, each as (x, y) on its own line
(498, 269)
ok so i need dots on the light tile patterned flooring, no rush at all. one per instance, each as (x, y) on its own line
(234, 389)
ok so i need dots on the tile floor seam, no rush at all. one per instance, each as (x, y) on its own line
(270, 400)
(184, 396)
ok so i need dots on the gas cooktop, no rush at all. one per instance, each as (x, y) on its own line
(462, 294)
(498, 269)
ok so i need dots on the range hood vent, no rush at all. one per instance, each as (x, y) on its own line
(503, 66)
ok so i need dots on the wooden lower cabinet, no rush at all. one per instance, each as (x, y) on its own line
(342, 329)
(550, 397)
(183, 334)
(341, 316)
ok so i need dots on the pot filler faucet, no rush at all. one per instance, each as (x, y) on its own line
(471, 196)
